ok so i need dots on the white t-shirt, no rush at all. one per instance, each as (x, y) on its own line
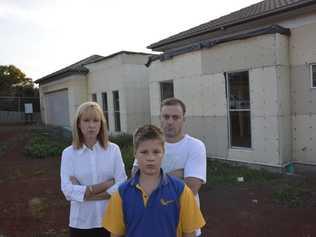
(89, 166)
(188, 154)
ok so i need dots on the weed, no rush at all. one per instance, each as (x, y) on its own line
(128, 158)
(44, 144)
(125, 142)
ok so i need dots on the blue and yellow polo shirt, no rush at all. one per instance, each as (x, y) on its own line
(169, 211)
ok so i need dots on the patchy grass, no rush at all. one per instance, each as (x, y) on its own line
(45, 143)
(294, 192)
(287, 191)
(219, 172)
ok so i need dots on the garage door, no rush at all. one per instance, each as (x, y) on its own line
(57, 108)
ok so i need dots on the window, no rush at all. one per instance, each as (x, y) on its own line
(116, 105)
(239, 109)
(166, 90)
(94, 97)
(313, 75)
(105, 107)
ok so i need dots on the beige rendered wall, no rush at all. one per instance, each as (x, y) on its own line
(128, 75)
(136, 87)
(77, 93)
(199, 81)
(107, 76)
(303, 97)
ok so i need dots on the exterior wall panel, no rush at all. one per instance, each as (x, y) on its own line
(265, 58)
(263, 91)
(182, 66)
(137, 96)
(239, 55)
(304, 136)
(128, 75)
(303, 97)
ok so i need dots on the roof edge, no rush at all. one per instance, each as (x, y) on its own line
(60, 76)
(77, 67)
(272, 29)
(121, 52)
(291, 7)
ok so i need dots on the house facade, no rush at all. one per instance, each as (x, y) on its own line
(118, 82)
(248, 80)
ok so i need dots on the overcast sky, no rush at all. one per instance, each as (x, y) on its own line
(42, 36)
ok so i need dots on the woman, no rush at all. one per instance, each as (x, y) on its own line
(91, 170)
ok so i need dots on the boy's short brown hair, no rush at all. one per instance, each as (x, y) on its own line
(147, 132)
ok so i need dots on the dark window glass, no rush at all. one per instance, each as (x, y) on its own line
(166, 90)
(239, 90)
(314, 75)
(105, 107)
(239, 109)
(117, 116)
(94, 97)
(240, 130)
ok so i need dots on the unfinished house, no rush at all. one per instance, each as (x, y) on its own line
(248, 80)
(118, 82)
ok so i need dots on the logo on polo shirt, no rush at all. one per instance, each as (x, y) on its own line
(165, 202)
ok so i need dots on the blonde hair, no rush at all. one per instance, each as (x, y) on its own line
(145, 133)
(77, 136)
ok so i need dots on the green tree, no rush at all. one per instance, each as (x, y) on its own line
(13, 82)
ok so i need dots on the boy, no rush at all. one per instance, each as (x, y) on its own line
(152, 203)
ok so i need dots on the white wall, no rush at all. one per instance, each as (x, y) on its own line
(199, 81)
(127, 74)
(77, 93)
(302, 53)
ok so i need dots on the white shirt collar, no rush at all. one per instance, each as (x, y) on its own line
(84, 147)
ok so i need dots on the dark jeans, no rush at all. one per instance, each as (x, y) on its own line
(94, 232)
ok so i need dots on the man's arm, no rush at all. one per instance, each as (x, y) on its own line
(193, 183)
(195, 167)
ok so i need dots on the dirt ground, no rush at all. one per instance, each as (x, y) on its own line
(31, 203)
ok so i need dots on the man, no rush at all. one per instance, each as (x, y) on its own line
(185, 156)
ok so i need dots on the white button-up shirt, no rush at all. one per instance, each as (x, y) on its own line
(89, 166)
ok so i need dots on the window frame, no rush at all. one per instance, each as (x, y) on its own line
(161, 83)
(117, 113)
(105, 107)
(227, 90)
(311, 75)
(94, 97)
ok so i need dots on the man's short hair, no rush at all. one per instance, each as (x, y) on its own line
(147, 132)
(173, 101)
